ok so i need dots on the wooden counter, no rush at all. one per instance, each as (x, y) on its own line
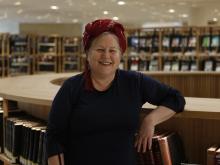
(191, 84)
(198, 125)
(39, 89)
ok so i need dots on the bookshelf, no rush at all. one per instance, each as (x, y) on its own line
(198, 125)
(20, 56)
(48, 54)
(174, 49)
(144, 47)
(70, 54)
(4, 50)
(1, 55)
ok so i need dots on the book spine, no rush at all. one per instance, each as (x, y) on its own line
(165, 153)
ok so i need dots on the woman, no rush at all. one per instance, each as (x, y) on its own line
(94, 116)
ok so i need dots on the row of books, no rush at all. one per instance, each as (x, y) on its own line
(173, 42)
(138, 64)
(167, 149)
(25, 139)
(213, 155)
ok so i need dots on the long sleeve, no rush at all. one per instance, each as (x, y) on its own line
(157, 93)
(58, 120)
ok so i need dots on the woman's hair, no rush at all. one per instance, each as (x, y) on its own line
(92, 31)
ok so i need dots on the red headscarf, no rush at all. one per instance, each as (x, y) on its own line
(93, 30)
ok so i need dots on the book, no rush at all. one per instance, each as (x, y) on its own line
(154, 66)
(215, 41)
(172, 150)
(167, 66)
(193, 66)
(217, 157)
(208, 65)
(211, 152)
(175, 66)
(206, 41)
(217, 67)
(1, 131)
(185, 65)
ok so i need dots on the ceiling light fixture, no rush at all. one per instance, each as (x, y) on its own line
(215, 19)
(216, 10)
(115, 18)
(18, 3)
(75, 20)
(184, 15)
(105, 12)
(54, 7)
(121, 3)
(171, 11)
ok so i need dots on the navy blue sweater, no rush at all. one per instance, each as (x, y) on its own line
(98, 127)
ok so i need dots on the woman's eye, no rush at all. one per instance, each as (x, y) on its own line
(113, 51)
(100, 50)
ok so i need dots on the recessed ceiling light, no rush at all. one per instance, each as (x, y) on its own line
(54, 7)
(216, 10)
(18, 3)
(19, 11)
(105, 12)
(115, 18)
(121, 3)
(184, 15)
(171, 11)
(215, 19)
(75, 20)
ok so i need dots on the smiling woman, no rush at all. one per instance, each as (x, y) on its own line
(95, 115)
(104, 57)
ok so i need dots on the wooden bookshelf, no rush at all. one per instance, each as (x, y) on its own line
(70, 54)
(4, 51)
(48, 54)
(179, 49)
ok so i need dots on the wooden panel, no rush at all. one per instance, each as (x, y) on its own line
(197, 135)
(39, 111)
(192, 85)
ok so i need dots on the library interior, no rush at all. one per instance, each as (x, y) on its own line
(175, 42)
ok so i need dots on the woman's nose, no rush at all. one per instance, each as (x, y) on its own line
(106, 52)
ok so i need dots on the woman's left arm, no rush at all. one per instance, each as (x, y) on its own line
(168, 101)
(146, 131)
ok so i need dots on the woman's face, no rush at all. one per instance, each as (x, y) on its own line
(104, 55)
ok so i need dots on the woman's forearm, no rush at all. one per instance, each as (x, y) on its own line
(159, 115)
(56, 160)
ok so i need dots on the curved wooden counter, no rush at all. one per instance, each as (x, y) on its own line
(38, 89)
(198, 125)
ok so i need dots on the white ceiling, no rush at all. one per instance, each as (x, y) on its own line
(133, 12)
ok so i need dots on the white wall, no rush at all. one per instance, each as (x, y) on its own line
(9, 27)
(201, 15)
